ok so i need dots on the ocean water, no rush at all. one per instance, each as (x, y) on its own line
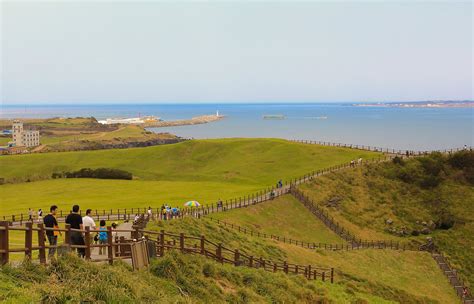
(398, 128)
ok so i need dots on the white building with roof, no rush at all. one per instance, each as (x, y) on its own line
(26, 138)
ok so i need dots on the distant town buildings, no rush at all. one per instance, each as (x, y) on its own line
(24, 138)
(129, 121)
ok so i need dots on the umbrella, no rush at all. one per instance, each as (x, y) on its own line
(192, 204)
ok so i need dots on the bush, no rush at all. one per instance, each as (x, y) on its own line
(398, 161)
(102, 173)
(462, 159)
(445, 219)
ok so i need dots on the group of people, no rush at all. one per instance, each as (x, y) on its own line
(76, 221)
(168, 213)
(39, 215)
(354, 162)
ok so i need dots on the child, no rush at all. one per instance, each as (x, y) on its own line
(102, 236)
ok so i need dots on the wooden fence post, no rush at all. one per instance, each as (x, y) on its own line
(181, 242)
(41, 244)
(236, 257)
(219, 253)
(309, 271)
(332, 275)
(203, 251)
(4, 253)
(250, 261)
(67, 237)
(162, 243)
(110, 247)
(87, 242)
(28, 239)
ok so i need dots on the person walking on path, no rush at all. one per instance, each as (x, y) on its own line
(74, 219)
(51, 222)
(150, 213)
(102, 236)
(30, 215)
(40, 216)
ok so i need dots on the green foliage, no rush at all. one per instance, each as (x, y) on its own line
(102, 173)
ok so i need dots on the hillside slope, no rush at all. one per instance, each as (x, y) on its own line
(407, 200)
(398, 276)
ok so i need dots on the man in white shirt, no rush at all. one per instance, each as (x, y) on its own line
(88, 221)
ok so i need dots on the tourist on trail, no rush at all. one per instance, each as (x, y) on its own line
(114, 233)
(74, 219)
(102, 236)
(163, 212)
(40, 216)
(88, 221)
(135, 220)
(30, 215)
(150, 213)
(359, 161)
(51, 222)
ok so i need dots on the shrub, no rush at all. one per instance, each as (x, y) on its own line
(398, 161)
(102, 173)
(462, 159)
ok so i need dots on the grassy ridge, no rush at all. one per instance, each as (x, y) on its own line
(260, 161)
(372, 195)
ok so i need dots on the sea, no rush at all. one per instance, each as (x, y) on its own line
(387, 127)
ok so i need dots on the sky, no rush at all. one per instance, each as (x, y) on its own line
(75, 52)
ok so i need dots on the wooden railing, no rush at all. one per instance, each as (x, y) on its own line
(163, 241)
(379, 149)
(344, 233)
(360, 244)
(222, 254)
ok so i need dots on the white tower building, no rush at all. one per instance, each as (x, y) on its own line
(26, 138)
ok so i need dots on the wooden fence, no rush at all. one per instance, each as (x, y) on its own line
(332, 224)
(360, 244)
(379, 149)
(440, 259)
(162, 242)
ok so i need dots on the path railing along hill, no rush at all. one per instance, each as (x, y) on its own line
(379, 149)
(362, 244)
(162, 241)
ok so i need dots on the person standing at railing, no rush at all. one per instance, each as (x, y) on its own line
(88, 221)
(51, 222)
(102, 236)
(74, 219)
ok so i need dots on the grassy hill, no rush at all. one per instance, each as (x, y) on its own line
(363, 276)
(372, 275)
(203, 170)
(403, 199)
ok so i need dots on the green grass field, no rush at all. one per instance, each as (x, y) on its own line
(284, 217)
(203, 170)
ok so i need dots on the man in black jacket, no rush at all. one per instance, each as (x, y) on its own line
(51, 222)
(74, 219)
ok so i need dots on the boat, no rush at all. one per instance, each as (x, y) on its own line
(274, 116)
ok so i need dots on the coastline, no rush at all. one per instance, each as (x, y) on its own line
(203, 119)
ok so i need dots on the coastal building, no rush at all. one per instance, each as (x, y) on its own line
(24, 138)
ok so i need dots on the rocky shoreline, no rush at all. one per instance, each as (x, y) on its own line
(184, 122)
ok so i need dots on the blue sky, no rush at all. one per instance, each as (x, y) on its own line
(124, 52)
